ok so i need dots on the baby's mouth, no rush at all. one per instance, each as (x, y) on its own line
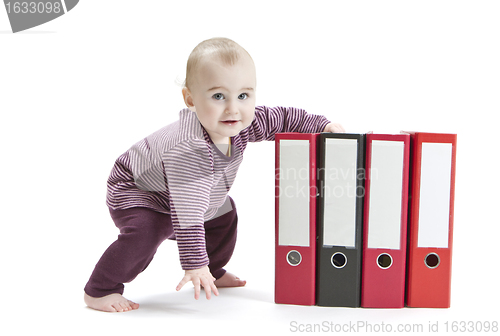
(229, 122)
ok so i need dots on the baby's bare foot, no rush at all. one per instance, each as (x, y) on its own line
(110, 303)
(229, 280)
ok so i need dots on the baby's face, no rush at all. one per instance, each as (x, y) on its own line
(223, 97)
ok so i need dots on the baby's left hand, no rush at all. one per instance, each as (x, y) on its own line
(199, 277)
(334, 128)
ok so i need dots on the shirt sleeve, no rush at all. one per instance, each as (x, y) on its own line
(189, 175)
(271, 120)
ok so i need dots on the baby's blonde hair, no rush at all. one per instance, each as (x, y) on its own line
(221, 48)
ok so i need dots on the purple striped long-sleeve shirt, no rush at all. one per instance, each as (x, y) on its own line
(179, 171)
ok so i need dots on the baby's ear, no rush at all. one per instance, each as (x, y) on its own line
(188, 99)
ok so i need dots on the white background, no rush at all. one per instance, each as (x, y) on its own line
(75, 93)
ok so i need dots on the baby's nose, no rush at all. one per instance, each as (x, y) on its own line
(231, 107)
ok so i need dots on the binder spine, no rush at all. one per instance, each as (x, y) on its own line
(295, 197)
(385, 220)
(430, 246)
(341, 175)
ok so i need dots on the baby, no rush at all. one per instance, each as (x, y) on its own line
(174, 184)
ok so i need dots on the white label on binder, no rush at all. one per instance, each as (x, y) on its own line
(435, 184)
(386, 192)
(339, 192)
(294, 193)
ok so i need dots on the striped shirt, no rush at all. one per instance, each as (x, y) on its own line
(179, 171)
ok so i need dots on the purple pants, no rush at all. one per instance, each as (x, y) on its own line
(142, 230)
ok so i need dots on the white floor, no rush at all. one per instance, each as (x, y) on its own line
(78, 91)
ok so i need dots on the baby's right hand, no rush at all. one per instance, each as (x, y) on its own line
(200, 276)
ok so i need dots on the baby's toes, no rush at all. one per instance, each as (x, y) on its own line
(115, 307)
(126, 306)
(133, 305)
(119, 307)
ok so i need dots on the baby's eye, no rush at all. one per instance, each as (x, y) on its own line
(218, 96)
(243, 96)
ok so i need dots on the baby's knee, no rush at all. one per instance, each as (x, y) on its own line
(149, 234)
